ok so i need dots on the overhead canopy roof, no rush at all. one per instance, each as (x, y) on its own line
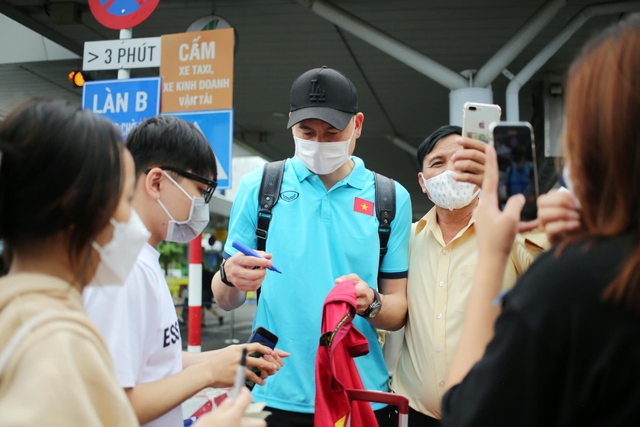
(280, 39)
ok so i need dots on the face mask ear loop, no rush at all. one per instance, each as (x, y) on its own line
(186, 194)
(178, 185)
(97, 247)
(166, 210)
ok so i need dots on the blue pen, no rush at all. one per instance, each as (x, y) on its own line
(250, 252)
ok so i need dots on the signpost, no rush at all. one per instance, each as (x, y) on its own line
(122, 54)
(217, 127)
(125, 102)
(197, 71)
(122, 14)
(197, 74)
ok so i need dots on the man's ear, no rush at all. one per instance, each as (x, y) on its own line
(359, 120)
(421, 182)
(152, 182)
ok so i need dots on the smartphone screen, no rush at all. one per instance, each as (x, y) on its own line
(266, 338)
(517, 165)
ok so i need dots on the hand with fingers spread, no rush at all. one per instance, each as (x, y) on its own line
(276, 357)
(230, 413)
(246, 272)
(496, 229)
(469, 163)
(223, 363)
(558, 214)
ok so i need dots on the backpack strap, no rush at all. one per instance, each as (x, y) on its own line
(267, 199)
(385, 210)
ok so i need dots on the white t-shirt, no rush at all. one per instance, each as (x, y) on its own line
(139, 323)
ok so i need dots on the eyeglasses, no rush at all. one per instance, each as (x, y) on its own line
(211, 184)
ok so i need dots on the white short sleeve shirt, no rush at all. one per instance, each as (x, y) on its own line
(139, 323)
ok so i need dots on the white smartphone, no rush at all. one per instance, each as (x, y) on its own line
(476, 119)
(515, 145)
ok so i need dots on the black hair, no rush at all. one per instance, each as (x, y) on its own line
(430, 142)
(170, 141)
(60, 171)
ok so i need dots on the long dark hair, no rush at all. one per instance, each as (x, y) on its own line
(603, 139)
(60, 171)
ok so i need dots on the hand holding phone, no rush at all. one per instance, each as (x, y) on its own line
(514, 144)
(266, 338)
(476, 119)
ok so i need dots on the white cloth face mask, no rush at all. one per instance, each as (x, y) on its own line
(119, 255)
(566, 176)
(190, 228)
(322, 158)
(448, 193)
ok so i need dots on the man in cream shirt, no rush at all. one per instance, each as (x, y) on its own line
(443, 254)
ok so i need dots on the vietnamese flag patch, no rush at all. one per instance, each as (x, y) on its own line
(363, 206)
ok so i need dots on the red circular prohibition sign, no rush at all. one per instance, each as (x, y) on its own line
(121, 14)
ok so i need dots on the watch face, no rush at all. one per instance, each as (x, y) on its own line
(375, 309)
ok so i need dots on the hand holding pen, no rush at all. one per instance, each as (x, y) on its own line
(250, 252)
(246, 269)
(240, 375)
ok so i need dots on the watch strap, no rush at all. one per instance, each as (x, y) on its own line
(376, 302)
(223, 275)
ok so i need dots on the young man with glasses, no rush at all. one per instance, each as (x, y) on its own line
(176, 170)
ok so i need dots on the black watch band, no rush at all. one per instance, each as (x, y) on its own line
(223, 275)
(373, 310)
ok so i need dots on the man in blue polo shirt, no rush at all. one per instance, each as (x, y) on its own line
(323, 230)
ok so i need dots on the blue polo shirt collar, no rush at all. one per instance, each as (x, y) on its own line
(356, 178)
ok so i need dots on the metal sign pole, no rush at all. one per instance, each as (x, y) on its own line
(232, 330)
(125, 34)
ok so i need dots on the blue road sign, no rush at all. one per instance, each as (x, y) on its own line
(125, 102)
(217, 127)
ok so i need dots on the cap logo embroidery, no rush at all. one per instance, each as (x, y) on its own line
(317, 94)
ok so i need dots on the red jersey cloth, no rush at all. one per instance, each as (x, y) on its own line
(336, 370)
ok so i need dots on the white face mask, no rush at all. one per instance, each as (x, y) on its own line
(322, 158)
(566, 176)
(448, 193)
(119, 255)
(190, 228)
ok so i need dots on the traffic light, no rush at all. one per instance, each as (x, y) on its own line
(77, 78)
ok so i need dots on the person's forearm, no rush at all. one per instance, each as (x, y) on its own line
(393, 314)
(480, 318)
(152, 400)
(190, 359)
(227, 297)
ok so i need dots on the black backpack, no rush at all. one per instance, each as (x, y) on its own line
(385, 205)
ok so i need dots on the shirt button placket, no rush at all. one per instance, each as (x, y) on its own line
(439, 327)
(326, 208)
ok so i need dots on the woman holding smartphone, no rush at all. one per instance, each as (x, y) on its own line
(563, 348)
(66, 185)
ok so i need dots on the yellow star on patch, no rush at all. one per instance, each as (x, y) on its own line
(363, 207)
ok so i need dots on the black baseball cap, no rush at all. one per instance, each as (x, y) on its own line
(324, 94)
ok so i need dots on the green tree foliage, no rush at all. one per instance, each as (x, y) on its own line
(173, 255)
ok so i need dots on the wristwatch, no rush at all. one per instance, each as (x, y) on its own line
(223, 275)
(373, 310)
